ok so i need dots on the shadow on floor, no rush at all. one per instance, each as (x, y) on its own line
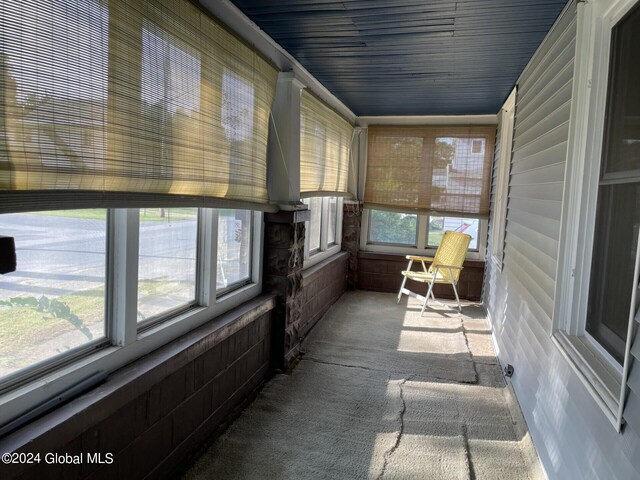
(381, 392)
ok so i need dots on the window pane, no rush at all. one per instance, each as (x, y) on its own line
(234, 247)
(54, 301)
(314, 226)
(167, 260)
(614, 255)
(390, 227)
(332, 220)
(438, 225)
(622, 141)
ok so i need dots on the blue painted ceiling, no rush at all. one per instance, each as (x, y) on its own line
(410, 57)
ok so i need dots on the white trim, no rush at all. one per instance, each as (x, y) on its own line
(208, 258)
(494, 341)
(320, 256)
(124, 289)
(429, 120)
(499, 216)
(591, 371)
(237, 21)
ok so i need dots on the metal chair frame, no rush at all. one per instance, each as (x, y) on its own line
(434, 274)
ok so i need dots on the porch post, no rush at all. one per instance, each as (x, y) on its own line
(283, 256)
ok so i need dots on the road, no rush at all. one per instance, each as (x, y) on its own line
(63, 255)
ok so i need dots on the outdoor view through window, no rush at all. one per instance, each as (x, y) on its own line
(167, 260)
(54, 301)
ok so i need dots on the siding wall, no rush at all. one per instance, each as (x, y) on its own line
(573, 437)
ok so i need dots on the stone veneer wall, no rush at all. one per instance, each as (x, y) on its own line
(303, 295)
(351, 225)
(155, 413)
(282, 275)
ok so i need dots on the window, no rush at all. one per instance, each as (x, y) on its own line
(392, 228)
(54, 303)
(234, 249)
(109, 104)
(433, 168)
(323, 231)
(477, 146)
(167, 260)
(439, 225)
(618, 213)
(393, 232)
(612, 266)
(136, 278)
(313, 228)
(499, 217)
(598, 255)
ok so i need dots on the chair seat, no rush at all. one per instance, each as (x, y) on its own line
(425, 277)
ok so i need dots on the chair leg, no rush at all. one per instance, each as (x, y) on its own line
(404, 280)
(455, 290)
(426, 298)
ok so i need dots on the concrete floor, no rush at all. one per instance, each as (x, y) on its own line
(382, 392)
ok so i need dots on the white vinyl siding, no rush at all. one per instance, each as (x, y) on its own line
(573, 437)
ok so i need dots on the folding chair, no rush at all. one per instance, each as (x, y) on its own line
(445, 267)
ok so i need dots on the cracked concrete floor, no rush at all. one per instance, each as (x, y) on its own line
(382, 392)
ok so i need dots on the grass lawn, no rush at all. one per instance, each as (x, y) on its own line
(146, 214)
(24, 328)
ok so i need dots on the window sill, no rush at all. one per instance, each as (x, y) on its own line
(600, 379)
(407, 250)
(110, 358)
(143, 373)
(320, 256)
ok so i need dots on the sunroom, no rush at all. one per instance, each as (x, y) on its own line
(206, 209)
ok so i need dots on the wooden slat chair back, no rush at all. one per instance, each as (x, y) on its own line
(445, 267)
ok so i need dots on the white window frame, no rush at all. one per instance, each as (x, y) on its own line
(128, 340)
(420, 247)
(507, 114)
(326, 249)
(603, 377)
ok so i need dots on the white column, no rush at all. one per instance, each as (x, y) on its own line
(283, 154)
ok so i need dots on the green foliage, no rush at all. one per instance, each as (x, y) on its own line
(51, 306)
(443, 153)
(391, 227)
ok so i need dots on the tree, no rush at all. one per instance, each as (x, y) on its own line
(391, 227)
(443, 153)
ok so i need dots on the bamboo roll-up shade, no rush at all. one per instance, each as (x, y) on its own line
(325, 148)
(444, 170)
(128, 99)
